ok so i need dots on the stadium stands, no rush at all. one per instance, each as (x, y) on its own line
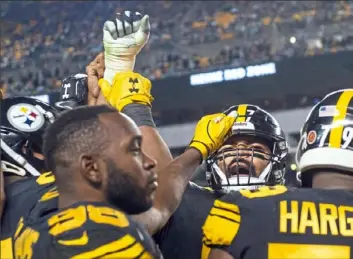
(43, 42)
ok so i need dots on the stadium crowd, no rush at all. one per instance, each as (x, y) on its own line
(93, 177)
(187, 36)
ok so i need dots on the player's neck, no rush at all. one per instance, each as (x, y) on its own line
(331, 180)
(67, 199)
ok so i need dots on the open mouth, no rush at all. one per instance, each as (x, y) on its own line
(240, 168)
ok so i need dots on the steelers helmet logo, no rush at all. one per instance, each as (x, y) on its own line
(311, 138)
(25, 117)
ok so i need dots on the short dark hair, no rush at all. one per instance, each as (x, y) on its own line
(75, 132)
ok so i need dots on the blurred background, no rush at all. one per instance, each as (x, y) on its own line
(281, 55)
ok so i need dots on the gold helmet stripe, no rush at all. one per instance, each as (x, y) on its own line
(242, 113)
(341, 107)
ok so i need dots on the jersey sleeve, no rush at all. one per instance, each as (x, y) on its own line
(102, 238)
(21, 197)
(221, 226)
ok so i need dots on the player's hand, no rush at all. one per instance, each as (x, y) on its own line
(123, 39)
(95, 71)
(127, 35)
(127, 88)
(211, 132)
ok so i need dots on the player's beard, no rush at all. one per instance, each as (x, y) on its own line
(123, 193)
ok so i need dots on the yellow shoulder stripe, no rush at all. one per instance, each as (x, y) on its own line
(125, 247)
(45, 178)
(222, 224)
(51, 194)
(81, 241)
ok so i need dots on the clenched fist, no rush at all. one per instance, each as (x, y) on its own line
(123, 39)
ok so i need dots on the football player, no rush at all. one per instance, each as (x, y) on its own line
(258, 143)
(181, 237)
(95, 154)
(311, 222)
(253, 156)
(23, 121)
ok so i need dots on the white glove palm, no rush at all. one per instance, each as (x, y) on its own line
(123, 39)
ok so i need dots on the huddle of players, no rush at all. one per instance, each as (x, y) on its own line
(99, 163)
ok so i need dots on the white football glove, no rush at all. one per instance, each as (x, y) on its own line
(123, 39)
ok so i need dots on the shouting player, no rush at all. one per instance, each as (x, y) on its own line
(253, 156)
(313, 222)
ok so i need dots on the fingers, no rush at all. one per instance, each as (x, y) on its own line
(100, 61)
(218, 117)
(233, 114)
(145, 26)
(92, 81)
(125, 24)
(94, 71)
(229, 120)
(110, 31)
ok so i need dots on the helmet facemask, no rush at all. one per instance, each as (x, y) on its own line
(240, 171)
(18, 156)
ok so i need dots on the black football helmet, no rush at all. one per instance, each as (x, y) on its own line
(73, 92)
(23, 121)
(327, 137)
(251, 121)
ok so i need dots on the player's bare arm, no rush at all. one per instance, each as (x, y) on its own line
(210, 133)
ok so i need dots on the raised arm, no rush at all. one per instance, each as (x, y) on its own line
(211, 131)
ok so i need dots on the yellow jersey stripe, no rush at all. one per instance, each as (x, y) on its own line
(125, 247)
(225, 214)
(6, 248)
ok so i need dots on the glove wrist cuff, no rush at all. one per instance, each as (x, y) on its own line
(127, 101)
(116, 64)
(200, 147)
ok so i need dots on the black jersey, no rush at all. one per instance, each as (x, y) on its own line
(181, 237)
(83, 230)
(21, 197)
(276, 222)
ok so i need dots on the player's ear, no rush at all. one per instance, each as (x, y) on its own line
(90, 169)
